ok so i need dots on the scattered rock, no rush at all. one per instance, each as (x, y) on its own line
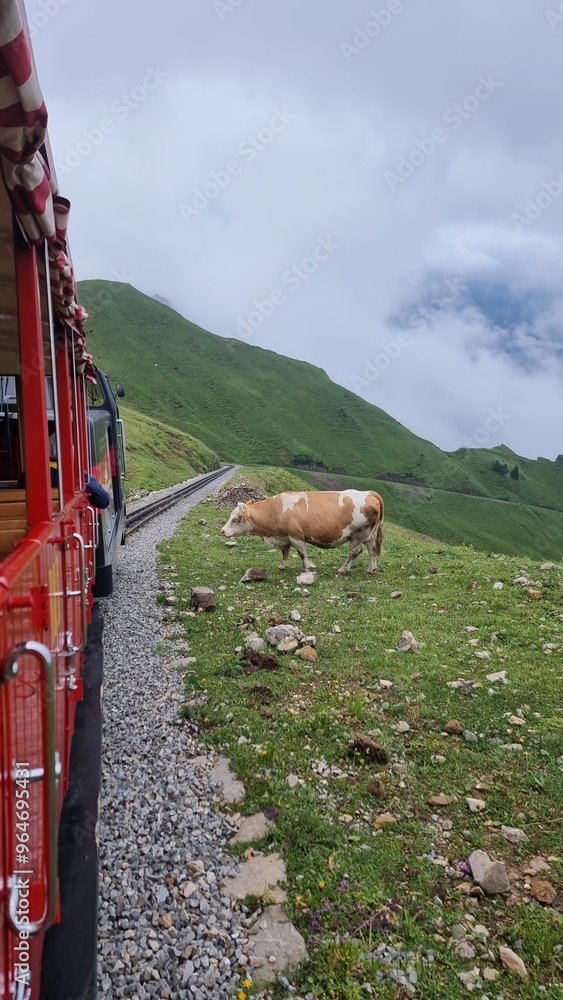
(252, 828)
(498, 586)
(307, 653)
(539, 865)
(255, 642)
(513, 962)
(203, 599)
(295, 616)
(550, 647)
(490, 875)
(513, 835)
(306, 578)
(336, 629)
(232, 789)
(402, 727)
(229, 496)
(369, 748)
(231, 543)
(543, 891)
(453, 728)
(476, 805)
(520, 581)
(441, 800)
(482, 654)
(407, 643)
(292, 780)
(288, 645)
(182, 662)
(490, 975)
(500, 675)
(469, 737)
(469, 979)
(386, 685)
(254, 574)
(547, 565)
(386, 819)
(396, 593)
(464, 949)
(258, 876)
(416, 676)
(515, 720)
(535, 594)
(274, 936)
(278, 633)
(202, 520)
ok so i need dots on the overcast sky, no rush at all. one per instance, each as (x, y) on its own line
(371, 188)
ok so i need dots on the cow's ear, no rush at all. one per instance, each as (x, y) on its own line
(249, 503)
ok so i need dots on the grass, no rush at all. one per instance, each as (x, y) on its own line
(159, 456)
(352, 887)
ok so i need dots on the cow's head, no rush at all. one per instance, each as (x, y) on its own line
(238, 523)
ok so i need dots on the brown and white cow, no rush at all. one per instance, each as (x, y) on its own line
(326, 520)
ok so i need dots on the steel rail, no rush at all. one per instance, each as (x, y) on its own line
(137, 518)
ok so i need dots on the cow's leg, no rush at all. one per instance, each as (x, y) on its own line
(285, 555)
(371, 546)
(299, 544)
(356, 546)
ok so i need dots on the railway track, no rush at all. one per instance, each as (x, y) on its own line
(141, 515)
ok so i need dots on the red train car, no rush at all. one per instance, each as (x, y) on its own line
(50, 636)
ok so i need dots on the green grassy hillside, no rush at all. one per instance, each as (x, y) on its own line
(249, 404)
(160, 456)
(254, 406)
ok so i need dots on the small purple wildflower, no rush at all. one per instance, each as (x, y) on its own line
(343, 885)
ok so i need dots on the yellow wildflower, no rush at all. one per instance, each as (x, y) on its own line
(321, 884)
(247, 983)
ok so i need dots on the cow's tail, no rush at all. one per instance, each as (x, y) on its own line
(379, 538)
(377, 534)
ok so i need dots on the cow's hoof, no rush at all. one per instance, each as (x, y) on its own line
(284, 566)
(342, 572)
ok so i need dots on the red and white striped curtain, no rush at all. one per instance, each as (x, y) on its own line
(41, 211)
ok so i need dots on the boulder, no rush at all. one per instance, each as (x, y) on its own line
(278, 633)
(203, 599)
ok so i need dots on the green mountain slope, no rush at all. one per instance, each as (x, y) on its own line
(159, 456)
(254, 406)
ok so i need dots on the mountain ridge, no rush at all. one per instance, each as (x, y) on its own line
(254, 406)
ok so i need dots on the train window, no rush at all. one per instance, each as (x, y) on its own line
(95, 395)
(50, 384)
(10, 435)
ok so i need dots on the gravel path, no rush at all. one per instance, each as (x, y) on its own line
(166, 930)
